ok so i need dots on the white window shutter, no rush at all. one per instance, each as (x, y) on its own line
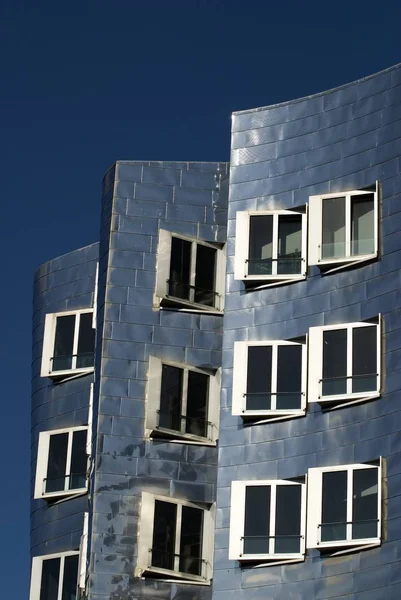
(241, 245)
(154, 385)
(314, 507)
(214, 405)
(239, 377)
(315, 229)
(315, 363)
(163, 263)
(237, 513)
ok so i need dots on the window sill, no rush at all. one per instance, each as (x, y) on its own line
(161, 433)
(272, 415)
(342, 547)
(172, 302)
(155, 572)
(62, 494)
(333, 402)
(269, 559)
(68, 373)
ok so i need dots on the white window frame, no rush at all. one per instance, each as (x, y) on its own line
(42, 462)
(83, 552)
(145, 540)
(36, 573)
(242, 247)
(316, 229)
(48, 345)
(163, 273)
(316, 365)
(240, 372)
(153, 394)
(315, 489)
(237, 522)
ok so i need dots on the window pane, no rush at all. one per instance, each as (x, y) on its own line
(70, 578)
(78, 467)
(56, 466)
(288, 519)
(362, 224)
(365, 504)
(170, 400)
(258, 391)
(180, 266)
(257, 519)
(197, 401)
(289, 377)
(191, 540)
(163, 547)
(205, 275)
(364, 359)
(63, 343)
(50, 579)
(289, 244)
(333, 228)
(260, 245)
(334, 362)
(334, 506)
(86, 342)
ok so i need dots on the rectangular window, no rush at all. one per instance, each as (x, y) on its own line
(270, 245)
(182, 402)
(344, 506)
(343, 227)
(69, 344)
(55, 577)
(61, 463)
(267, 520)
(189, 273)
(269, 378)
(176, 538)
(344, 362)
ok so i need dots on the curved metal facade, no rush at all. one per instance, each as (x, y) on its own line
(340, 140)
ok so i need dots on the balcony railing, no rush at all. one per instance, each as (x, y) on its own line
(281, 403)
(286, 265)
(64, 483)
(340, 531)
(335, 386)
(180, 563)
(184, 291)
(185, 424)
(271, 544)
(69, 362)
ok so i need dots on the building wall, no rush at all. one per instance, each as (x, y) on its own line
(138, 199)
(65, 283)
(339, 140)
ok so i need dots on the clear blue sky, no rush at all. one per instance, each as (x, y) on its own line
(86, 82)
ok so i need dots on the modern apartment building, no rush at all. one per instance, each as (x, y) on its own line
(216, 402)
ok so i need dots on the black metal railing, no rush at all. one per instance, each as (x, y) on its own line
(66, 362)
(286, 395)
(184, 423)
(337, 530)
(293, 264)
(64, 483)
(330, 388)
(182, 563)
(260, 544)
(192, 293)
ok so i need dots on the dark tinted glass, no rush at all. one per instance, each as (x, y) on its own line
(180, 267)
(63, 343)
(364, 359)
(334, 506)
(56, 466)
(78, 460)
(197, 401)
(334, 362)
(260, 245)
(70, 578)
(205, 275)
(257, 519)
(258, 389)
(191, 541)
(170, 401)
(365, 504)
(288, 519)
(362, 225)
(289, 244)
(163, 546)
(289, 377)
(50, 579)
(333, 228)
(86, 342)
